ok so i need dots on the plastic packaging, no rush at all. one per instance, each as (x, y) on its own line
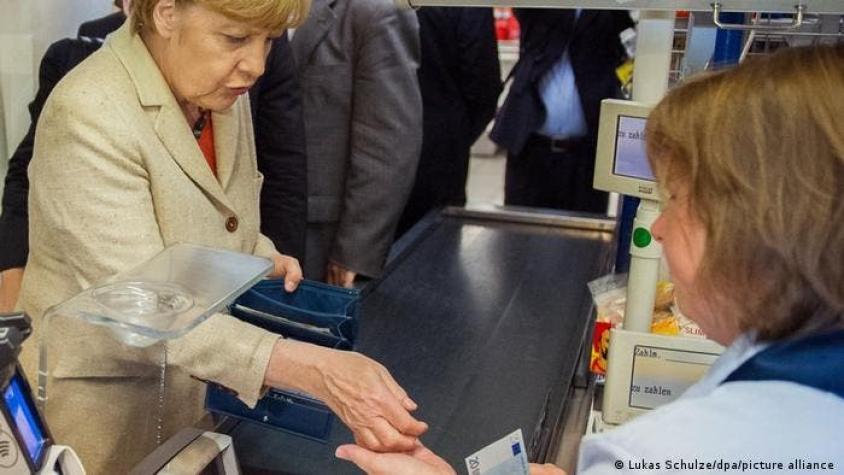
(609, 294)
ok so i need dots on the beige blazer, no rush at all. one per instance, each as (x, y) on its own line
(116, 176)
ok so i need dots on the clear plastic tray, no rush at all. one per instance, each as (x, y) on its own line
(168, 295)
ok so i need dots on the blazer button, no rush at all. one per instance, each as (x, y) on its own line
(231, 224)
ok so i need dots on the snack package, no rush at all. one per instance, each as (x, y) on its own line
(600, 347)
(686, 326)
(610, 296)
(664, 321)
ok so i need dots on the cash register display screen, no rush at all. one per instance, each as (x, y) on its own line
(25, 418)
(630, 157)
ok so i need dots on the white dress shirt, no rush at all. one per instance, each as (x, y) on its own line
(564, 116)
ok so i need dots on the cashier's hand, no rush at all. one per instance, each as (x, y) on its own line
(287, 267)
(336, 274)
(358, 389)
(419, 461)
(545, 469)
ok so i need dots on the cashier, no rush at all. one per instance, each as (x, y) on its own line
(145, 144)
(752, 164)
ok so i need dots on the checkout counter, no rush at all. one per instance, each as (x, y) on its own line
(482, 316)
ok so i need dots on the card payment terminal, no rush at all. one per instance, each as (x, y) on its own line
(25, 443)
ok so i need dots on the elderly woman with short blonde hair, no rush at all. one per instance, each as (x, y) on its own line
(149, 143)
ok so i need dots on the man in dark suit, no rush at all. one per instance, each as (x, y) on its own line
(101, 27)
(357, 61)
(279, 137)
(277, 117)
(549, 122)
(460, 80)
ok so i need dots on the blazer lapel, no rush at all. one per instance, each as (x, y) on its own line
(226, 129)
(308, 36)
(173, 130)
(169, 123)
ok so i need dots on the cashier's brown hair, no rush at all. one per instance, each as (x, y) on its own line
(761, 148)
(272, 15)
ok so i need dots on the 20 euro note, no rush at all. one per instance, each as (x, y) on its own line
(504, 457)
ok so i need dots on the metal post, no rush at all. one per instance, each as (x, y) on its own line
(655, 38)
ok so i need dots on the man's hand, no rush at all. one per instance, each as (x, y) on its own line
(10, 288)
(360, 391)
(287, 267)
(419, 461)
(336, 274)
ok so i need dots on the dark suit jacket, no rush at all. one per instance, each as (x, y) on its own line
(280, 143)
(60, 58)
(460, 80)
(595, 51)
(279, 140)
(101, 27)
(357, 62)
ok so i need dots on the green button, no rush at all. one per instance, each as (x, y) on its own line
(641, 237)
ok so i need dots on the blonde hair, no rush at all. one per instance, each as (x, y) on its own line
(272, 15)
(761, 148)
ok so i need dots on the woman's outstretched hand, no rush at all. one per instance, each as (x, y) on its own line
(358, 389)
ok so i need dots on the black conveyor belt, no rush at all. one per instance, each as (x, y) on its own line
(482, 321)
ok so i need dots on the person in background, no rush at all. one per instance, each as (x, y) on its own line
(549, 122)
(99, 28)
(752, 230)
(357, 64)
(280, 146)
(277, 114)
(60, 57)
(171, 159)
(460, 80)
